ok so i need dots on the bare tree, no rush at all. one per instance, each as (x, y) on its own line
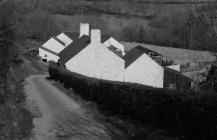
(198, 70)
(206, 15)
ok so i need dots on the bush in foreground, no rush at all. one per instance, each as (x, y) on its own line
(193, 116)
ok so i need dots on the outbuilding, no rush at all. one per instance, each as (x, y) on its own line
(49, 50)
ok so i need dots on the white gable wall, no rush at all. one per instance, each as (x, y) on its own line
(145, 71)
(83, 63)
(111, 66)
(97, 61)
(53, 45)
(50, 56)
(115, 43)
(65, 39)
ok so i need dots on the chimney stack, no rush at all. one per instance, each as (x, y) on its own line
(84, 29)
(95, 36)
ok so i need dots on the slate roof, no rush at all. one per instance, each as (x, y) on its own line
(58, 40)
(115, 51)
(74, 48)
(72, 35)
(132, 55)
(148, 51)
(135, 53)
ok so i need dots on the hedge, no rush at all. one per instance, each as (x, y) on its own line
(192, 116)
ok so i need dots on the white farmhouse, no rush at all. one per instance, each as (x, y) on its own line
(142, 69)
(89, 57)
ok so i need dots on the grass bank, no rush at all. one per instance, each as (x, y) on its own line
(182, 114)
(16, 118)
(118, 128)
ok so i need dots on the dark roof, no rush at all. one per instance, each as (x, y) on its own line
(147, 51)
(135, 53)
(115, 51)
(58, 40)
(132, 55)
(43, 48)
(74, 48)
(104, 38)
(176, 72)
(72, 35)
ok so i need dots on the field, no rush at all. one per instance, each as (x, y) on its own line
(180, 56)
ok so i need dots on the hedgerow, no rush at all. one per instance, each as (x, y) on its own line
(193, 116)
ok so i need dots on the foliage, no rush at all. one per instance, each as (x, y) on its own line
(167, 25)
(39, 25)
(134, 33)
(15, 120)
(189, 115)
(6, 44)
(28, 22)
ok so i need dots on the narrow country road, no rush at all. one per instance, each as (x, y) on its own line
(59, 117)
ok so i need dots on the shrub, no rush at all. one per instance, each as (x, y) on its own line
(193, 116)
(17, 60)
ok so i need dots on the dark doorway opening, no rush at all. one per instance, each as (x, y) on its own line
(44, 60)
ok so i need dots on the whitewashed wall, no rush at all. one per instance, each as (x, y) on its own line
(99, 62)
(65, 39)
(175, 67)
(111, 66)
(50, 56)
(115, 43)
(83, 63)
(145, 71)
(52, 45)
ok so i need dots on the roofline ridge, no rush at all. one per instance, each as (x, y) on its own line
(59, 41)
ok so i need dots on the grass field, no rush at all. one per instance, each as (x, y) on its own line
(180, 56)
